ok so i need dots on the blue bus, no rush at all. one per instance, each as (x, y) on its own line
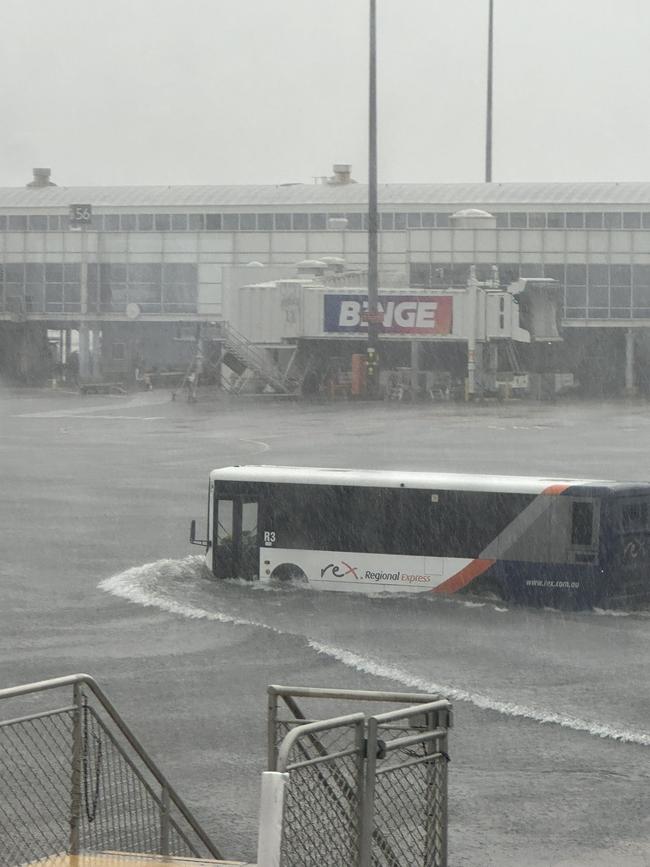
(573, 543)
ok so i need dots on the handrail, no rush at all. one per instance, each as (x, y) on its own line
(75, 680)
(310, 728)
(240, 343)
(401, 713)
(354, 694)
(237, 338)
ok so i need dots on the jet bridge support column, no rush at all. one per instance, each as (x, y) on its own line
(84, 351)
(630, 386)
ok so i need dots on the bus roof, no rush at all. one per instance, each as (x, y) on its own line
(408, 479)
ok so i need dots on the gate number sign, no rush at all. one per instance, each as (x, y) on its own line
(80, 215)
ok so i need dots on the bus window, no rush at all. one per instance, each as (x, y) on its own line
(634, 517)
(249, 561)
(582, 523)
(249, 519)
(224, 521)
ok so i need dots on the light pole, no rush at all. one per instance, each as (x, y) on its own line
(373, 315)
(488, 120)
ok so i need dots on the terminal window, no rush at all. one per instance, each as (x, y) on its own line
(318, 222)
(145, 222)
(612, 220)
(179, 222)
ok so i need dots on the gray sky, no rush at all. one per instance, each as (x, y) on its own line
(268, 91)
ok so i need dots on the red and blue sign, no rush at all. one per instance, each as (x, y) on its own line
(401, 314)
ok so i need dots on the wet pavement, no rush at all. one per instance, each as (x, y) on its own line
(550, 761)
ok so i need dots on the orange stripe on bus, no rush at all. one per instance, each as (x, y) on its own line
(559, 488)
(463, 578)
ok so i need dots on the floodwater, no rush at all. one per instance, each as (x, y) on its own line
(552, 709)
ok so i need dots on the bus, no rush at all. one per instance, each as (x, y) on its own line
(561, 542)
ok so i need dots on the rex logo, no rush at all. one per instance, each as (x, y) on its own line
(340, 571)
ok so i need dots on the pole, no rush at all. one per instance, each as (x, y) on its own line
(373, 221)
(472, 291)
(488, 128)
(75, 782)
(84, 332)
(629, 362)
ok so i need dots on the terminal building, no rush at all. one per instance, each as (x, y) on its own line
(120, 273)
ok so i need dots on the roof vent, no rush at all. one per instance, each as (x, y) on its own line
(334, 263)
(473, 218)
(341, 174)
(314, 267)
(41, 178)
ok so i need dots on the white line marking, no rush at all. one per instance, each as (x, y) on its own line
(94, 416)
(264, 447)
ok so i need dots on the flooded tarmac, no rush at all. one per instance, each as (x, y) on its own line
(550, 746)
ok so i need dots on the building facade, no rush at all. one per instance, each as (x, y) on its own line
(152, 258)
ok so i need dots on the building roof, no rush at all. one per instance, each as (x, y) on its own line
(332, 196)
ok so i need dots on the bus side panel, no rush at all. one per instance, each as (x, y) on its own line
(626, 552)
(548, 584)
(537, 560)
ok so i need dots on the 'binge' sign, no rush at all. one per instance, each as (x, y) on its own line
(402, 314)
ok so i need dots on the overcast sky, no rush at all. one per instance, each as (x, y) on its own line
(271, 91)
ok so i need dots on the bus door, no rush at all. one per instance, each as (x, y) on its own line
(236, 544)
(632, 549)
(584, 530)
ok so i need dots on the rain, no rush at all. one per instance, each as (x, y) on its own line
(397, 376)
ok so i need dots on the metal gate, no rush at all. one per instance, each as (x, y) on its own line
(359, 791)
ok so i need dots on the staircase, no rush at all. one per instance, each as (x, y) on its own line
(77, 789)
(512, 356)
(252, 364)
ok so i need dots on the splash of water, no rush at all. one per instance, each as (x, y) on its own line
(485, 702)
(153, 585)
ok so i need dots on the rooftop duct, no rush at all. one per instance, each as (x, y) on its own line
(341, 174)
(473, 218)
(314, 267)
(41, 178)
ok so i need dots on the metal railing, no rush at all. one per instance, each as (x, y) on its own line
(405, 818)
(364, 791)
(256, 359)
(75, 779)
(322, 806)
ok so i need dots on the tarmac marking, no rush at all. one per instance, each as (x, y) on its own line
(71, 417)
(264, 447)
(89, 411)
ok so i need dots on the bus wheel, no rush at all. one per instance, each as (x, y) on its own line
(288, 573)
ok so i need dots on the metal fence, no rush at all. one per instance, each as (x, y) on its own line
(322, 804)
(362, 791)
(74, 779)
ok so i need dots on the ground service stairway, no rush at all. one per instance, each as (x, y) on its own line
(75, 780)
(356, 789)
